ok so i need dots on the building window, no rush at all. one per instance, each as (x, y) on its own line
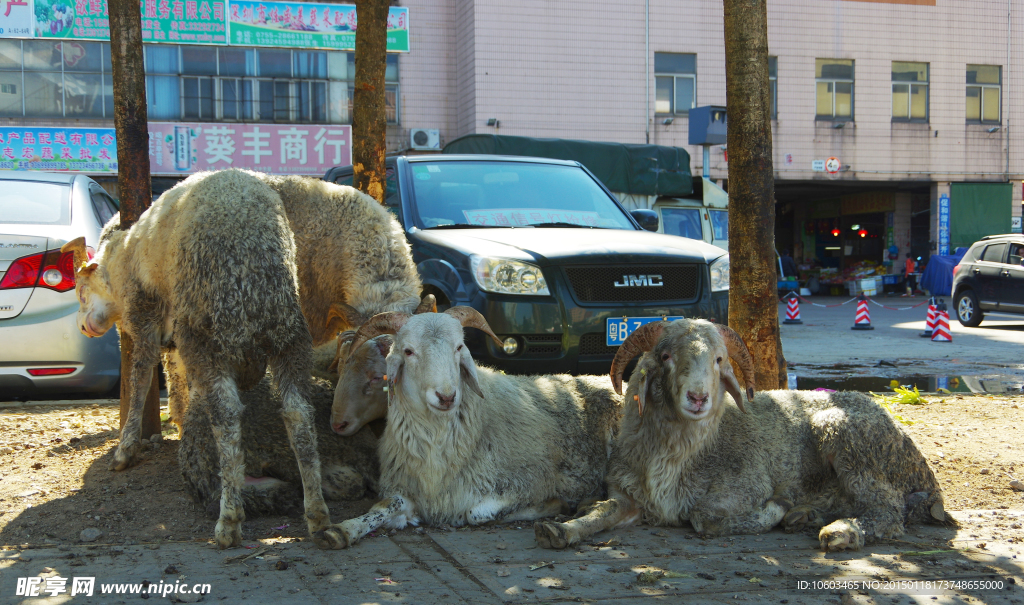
(773, 84)
(675, 83)
(909, 92)
(834, 89)
(984, 93)
(50, 79)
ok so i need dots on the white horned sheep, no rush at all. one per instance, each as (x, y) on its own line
(467, 445)
(805, 459)
(212, 268)
(351, 257)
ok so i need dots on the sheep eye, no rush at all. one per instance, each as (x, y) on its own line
(459, 349)
(408, 352)
(665, 356)
(719, 360)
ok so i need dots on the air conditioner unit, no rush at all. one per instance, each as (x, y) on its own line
(425, 138)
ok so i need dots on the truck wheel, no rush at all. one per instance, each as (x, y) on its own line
(967, 309)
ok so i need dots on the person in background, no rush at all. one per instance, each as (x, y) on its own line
(910, 267)
(788, 264)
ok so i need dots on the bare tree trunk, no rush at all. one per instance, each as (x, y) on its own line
(753, 306)
(133, 181)
(369, 122)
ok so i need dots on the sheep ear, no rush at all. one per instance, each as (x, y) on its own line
(78, 250)
(384, 344)
(468, 371)
(87, 270)
(342, 317)
(644, 392)
(732, 386)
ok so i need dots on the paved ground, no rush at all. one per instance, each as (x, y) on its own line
(825, 345)
(503, 565)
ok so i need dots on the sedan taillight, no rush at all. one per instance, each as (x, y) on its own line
(52, 269)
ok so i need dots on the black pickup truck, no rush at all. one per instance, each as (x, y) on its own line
(559, 269)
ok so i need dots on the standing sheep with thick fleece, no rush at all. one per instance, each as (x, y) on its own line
(800, 458)
(467, 445)
(212, 269)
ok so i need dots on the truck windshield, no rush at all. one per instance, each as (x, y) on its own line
(511, 194)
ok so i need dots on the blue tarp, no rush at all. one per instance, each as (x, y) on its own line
(938, 275)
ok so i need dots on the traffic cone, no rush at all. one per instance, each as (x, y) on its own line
(942, 333)
(862, 321)
(929, 324)
(792, 310)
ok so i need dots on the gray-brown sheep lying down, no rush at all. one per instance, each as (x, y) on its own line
(799, 458)
(212, 268)
(272, 479)
(467, 445)
(360, 398)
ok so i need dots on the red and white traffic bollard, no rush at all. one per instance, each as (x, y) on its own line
(929, 324)
(942, 332)
(862, 321)
(792, 310)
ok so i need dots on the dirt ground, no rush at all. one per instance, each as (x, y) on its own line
(54, 481)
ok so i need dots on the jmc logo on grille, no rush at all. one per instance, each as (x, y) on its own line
(632, 281)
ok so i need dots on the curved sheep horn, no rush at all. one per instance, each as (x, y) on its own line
(77, 247)
(739, 353)
(427, 305)
(639, 341)
(341, 316)
(471, 318)
(381, 323)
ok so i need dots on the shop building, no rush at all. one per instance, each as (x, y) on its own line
(912, 99)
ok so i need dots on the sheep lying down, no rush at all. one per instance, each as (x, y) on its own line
(806, 460)
(468, 445)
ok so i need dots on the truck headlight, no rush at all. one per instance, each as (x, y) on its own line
(508, 276)
(720, 274)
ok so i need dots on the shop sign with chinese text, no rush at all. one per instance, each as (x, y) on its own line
(184, 21)
(177, 148)
(308, 25)
(90, 150)
(15, 19)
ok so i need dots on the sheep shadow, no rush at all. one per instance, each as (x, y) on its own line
(68, 487)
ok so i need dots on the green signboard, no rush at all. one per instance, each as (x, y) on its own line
(182, 21)
(307, 25)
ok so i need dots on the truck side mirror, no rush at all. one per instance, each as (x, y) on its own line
(648, 219)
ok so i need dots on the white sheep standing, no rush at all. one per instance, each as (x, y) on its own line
(467, 445)
(212, 268)
(801, 458)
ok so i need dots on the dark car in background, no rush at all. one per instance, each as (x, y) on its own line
(990, 277)
(42, 350)
(545, 252)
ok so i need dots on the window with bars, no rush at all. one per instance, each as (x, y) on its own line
(53, 79)
(833, 80)
(909, 92)
(984, 92)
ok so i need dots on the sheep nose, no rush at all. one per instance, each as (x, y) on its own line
(697, 399)
(338, 427)
(445, 401)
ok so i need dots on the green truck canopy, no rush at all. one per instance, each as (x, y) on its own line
(622, 167)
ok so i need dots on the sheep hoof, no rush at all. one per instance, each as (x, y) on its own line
(550, 534)
(801, 517)
(841, 535)
(126, 454)
(228, 534)
(331, 538)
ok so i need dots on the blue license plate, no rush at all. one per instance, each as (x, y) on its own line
(618, 328)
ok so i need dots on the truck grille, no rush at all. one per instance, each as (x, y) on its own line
(597, 284)
(543, 344)
(593, 344)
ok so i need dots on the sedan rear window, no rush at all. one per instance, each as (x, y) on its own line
(34, 203)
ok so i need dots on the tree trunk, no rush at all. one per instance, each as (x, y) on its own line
(369, 122)
(753, 306)
(133, 182)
